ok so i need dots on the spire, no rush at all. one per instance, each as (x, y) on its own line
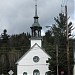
(36, 28)
(36, 17)
(35, 8)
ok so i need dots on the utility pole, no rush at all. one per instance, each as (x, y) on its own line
(67, 44)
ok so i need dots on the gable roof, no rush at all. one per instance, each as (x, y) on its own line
(30, 50)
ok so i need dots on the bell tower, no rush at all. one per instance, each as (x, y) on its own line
(36, 29)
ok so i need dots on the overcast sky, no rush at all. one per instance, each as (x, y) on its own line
(17, 15)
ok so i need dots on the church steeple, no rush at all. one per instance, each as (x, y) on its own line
(36, 28)
(36, 17)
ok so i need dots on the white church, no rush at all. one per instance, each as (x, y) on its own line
(33, 62)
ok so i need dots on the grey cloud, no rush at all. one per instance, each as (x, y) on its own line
(17, 15)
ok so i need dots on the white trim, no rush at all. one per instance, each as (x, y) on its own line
(30, 50)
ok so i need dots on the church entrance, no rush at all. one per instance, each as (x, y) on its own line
(36, 72)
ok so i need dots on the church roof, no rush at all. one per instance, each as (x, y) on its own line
(36, 24)
(30, 50)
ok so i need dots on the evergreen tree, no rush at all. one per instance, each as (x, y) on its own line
(4, 36)
(57, 34)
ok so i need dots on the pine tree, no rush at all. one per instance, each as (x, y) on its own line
(57, 32)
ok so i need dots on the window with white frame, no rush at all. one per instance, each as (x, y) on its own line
(36, 72)
(25, 73)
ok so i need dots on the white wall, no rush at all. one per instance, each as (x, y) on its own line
(36, 41)
(26, 64)
(36, 51)
(29, 69)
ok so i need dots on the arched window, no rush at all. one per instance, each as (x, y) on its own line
(25, 73)
(36, 72)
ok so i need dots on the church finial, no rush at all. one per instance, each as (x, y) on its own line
(35, 8)
(36, 17)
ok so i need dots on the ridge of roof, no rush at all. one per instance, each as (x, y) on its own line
(30, 50)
